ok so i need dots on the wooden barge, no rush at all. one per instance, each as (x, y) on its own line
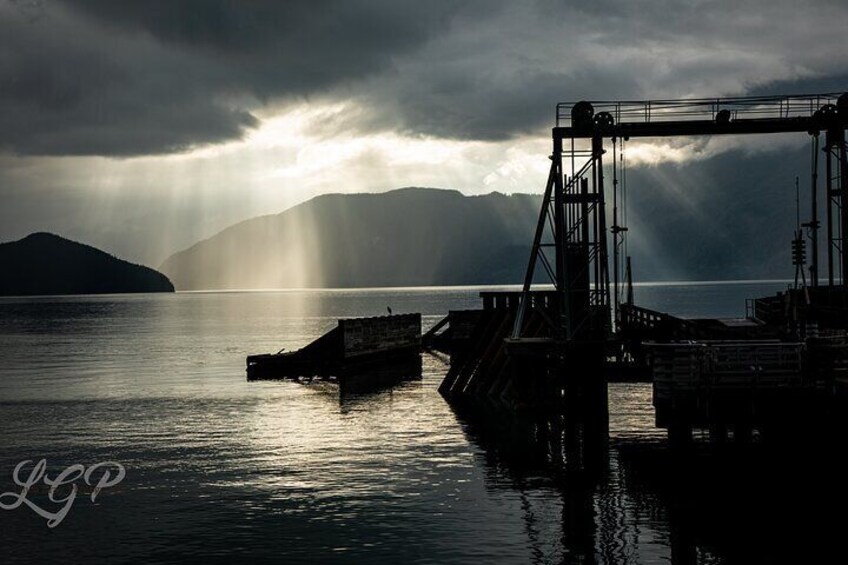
(356, 349)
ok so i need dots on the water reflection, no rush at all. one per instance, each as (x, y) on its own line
(358, 382)
(219, 468)
(637, 501)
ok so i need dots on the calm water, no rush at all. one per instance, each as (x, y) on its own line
(222, 470)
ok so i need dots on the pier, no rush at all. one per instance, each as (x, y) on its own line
(574, 327)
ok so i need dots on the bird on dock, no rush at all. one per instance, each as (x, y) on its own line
(389, 309)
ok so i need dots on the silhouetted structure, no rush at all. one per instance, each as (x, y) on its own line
(555, 349)
(359, 353)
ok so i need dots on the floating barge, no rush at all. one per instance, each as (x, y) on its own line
(357, 348)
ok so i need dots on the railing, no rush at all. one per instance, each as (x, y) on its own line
(753, 357)
(724, 365)
(511, 299)
(751, 107)
(636, 317)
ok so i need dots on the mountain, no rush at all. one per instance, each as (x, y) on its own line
(729, 218)
(44, 263)
(406, 237)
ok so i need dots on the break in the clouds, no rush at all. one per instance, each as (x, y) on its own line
(100, 77)
(143, 126)
(125, 78)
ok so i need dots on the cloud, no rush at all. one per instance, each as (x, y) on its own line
(130, 78)
(68, 87)
(99, 77)
(497, 76)
(223, 110)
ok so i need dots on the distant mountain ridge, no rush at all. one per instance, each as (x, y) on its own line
(735, 223)
(44, 263)
(405, 237)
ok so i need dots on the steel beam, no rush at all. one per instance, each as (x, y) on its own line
(693, 127)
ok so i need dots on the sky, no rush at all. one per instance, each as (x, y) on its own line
(141, 127)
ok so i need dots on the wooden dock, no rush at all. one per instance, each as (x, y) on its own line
(488, 365)
(732, 376)
(768, 386)
(356, 347)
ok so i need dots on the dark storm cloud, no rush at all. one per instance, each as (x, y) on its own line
(139, 77)
(123, 78)
(493, 109)
(67, 87)
(494, 78)
(818, 85)
(291, 47)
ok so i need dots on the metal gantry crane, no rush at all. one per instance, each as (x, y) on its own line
(571, 238)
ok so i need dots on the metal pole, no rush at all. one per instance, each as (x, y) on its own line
(829, 191)
(597, 172)
(843, 205)
(814, 220)
(602, 282)
(797, 204)
(534, 253)
(615, 250)
(559, 238)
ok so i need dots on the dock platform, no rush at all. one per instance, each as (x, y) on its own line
(356, 346)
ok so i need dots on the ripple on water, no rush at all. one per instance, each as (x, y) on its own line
(217, 467)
